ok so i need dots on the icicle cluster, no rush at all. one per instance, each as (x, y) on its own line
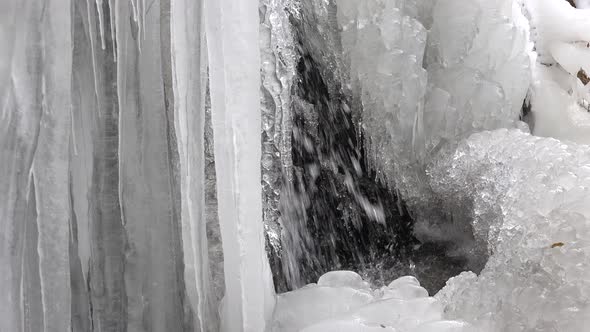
(102, 211)
(341, 302)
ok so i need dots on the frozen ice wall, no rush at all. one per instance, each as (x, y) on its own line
(424, 90)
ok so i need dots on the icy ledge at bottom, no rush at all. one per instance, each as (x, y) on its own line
(341, 301)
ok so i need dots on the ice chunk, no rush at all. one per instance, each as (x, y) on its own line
(405, 291)
(403, 281)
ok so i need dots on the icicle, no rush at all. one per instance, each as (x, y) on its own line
(113, 27)
(232, 29)
(101, 22)
(189, 84)
(121, 42)
(91, 34)
(50, 167)
(144, 10)
(73, 131)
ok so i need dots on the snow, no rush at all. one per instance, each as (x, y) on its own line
(425, 90)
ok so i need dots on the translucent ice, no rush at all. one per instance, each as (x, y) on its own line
(344, 306)
(413, 105)
(559, 94)
(234, 65)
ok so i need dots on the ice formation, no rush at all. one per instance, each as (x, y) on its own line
(107, 217)
(530, 196)
(522, 197)
(342, 301)
(559, 93)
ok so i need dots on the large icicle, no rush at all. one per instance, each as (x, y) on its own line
(234, 66)
(94, 175)
(50, 166)
(190, 79)
(148, 160)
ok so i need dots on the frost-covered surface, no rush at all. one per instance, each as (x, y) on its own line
(341, 301)
(531, 196)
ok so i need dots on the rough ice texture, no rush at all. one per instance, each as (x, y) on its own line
(189, 63)
(342, 301)
(529, 199)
